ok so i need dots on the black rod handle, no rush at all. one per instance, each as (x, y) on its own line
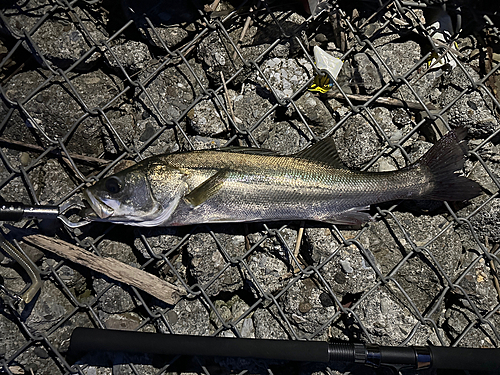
(15, 211)
(473, 359)
(11, 211)
(88, 339)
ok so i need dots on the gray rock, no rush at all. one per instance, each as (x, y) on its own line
(285, 137)
(387, 321)
(120, 251)
(269, 325)
(486, 222)
(160, 240)
(142, 134)
(217, 57)
(250, 107)
(490, 154)
(269, 272)
(207, 260)
(114, 300)
(49, 309)
(399, 57)
(347, 271)
(208, 118)
(206, 143)
(55, 109)
(165, 17)
(229, 312)
(270, 264)
(12, 278)
(418, 276)
(285, 76)
(73, 279)
(357, 142)
(52, 182)
(315, 112)
(473, 110)
(58, 38)
(128, 321)
(129, 55)
(478, 284)
(456, 319)
(172, 90)
(304, 308)
(189, 317)
(163, 241)
(123, 124)
(266, 33)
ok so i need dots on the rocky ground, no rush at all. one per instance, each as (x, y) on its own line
(87, 87)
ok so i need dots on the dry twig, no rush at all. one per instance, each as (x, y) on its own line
(110, 267)
(391, 102)
(228, 100)
(211, 7)
(494, 270)
(36, 148)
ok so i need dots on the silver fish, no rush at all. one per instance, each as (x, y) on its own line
(248, 185)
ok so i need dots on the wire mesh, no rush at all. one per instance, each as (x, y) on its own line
(88, 85)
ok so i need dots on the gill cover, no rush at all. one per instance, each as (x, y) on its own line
(146, 193)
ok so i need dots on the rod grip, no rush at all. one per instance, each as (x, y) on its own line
(474, 359)
(13, 211)
(88, 339)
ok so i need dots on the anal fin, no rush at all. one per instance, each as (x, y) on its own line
(353, 216)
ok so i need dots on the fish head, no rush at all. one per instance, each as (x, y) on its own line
(142, 195)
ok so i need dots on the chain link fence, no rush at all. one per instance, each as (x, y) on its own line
(87, 87)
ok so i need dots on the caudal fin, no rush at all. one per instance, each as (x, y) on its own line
(443, 160)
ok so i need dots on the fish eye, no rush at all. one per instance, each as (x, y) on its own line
(113, 185)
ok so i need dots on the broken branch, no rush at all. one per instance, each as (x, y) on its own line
(36, 148)
(110, 267)
(391, 102)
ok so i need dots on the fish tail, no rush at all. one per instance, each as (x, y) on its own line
(442, 161)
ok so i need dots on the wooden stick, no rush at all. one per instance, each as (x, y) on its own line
(110, 267)
(383, 100)
(211, 7)
(228, 100)
(297, 245)
(494, 270)
(36, 148)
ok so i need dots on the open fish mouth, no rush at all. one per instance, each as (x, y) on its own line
(99, 208)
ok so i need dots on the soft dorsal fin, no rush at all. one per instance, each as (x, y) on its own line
(249, 150)
(323, 151)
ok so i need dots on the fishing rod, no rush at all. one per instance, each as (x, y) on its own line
(418, 357)
(16, 211)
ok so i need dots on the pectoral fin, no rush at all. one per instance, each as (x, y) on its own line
(207, 189)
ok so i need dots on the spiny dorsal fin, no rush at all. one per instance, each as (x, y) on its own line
(249, 150)
(207, 188)
(323, 151)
